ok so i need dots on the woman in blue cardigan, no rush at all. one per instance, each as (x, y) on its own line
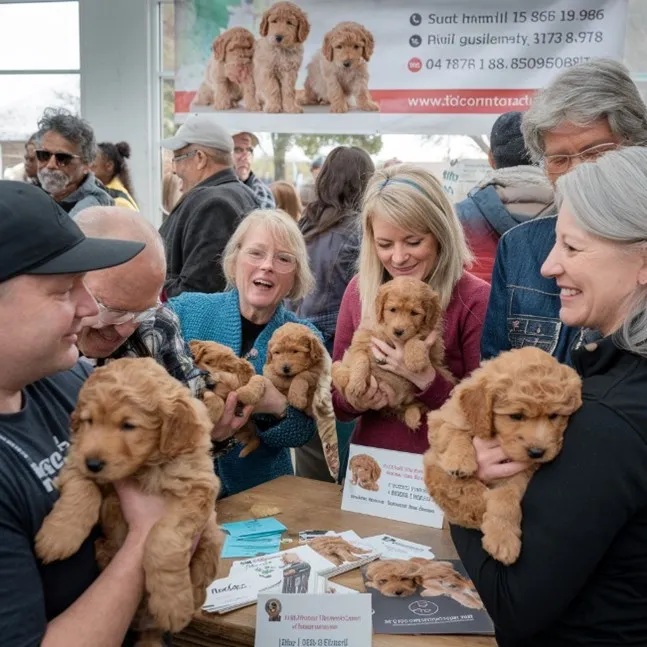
(265, 261)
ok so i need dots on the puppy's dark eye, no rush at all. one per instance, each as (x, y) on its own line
(381, 582)
(337, 46)
(290, 23)
(415, 314)
(517, 416)
(552, 416)
(355, 46)
(127, 426)
(392, 309)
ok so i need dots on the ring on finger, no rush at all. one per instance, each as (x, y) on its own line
(380, 360)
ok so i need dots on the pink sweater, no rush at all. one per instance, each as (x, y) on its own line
(462, 334)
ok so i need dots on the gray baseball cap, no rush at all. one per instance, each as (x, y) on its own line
(200, 129)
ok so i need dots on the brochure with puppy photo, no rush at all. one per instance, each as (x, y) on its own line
(345, 549)
(424, 596)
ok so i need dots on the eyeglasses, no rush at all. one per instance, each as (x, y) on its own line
(184, 156)
(112, 317)
(238, 150)
(562, 163)
(62, 159)
(283, 262)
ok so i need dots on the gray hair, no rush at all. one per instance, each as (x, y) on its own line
(607, 199)
(71, 127)
(583, 94)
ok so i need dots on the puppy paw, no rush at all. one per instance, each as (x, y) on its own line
(369, 106)
(293, 109)
(272, 107)
(502, 542)
(53, 544)
(339, 107)
(356, 389)
(298, 400)
(458, 465)
(172, 612)
(412, 418)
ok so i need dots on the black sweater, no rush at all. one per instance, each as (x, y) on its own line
(581, 578)
(197, 230)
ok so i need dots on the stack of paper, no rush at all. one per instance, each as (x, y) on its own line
(390, 547)
(346, 550)
(252, 537)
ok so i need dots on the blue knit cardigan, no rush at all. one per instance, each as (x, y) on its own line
(216, 317)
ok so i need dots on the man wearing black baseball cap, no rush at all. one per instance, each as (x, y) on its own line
(43, 259)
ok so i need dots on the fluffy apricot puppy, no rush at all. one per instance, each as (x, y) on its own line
(394, 577)
(133, 420)
(365, 472)
(338, 71)
(229, 373)
(229, 76)
(440, 578)
(407, 310)
(523, 399)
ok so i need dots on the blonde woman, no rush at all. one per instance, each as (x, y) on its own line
(409, 229)
(264, 262)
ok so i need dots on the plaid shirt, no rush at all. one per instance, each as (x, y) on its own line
(160, 337)
(264, 195)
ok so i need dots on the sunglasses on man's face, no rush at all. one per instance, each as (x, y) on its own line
(62, 159)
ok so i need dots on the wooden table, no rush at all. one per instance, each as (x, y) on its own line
(307, 505)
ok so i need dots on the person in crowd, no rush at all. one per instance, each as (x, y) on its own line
(44, 258)
(393, 161)
(331, 229)
(287, 198)
(585, 112)
(585, 514)
(265, 261)
(111, 168)
(214, 201)
(307, 193)
(30, 161)
(244, 145)
(409, 229)
(65, 152)
(171, 193)
(515, 191)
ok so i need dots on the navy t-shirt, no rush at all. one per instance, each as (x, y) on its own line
(33, 443)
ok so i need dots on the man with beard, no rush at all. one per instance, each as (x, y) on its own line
(66, 149)
(244, 145)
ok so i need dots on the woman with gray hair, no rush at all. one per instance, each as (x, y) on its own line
(581, 578)
(264, 262)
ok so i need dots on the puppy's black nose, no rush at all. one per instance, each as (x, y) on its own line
(278, 38)
(399, 592)
(398, 332)
(536, 452)
(95, 464)
(286, 369)
(347, 63)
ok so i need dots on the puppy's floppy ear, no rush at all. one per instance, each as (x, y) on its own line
(369, 44)
(326, 48)
(316, 349)
(380, 301)
(303, 28)
(376, 471)
(265, 23)
(185, 420)
(476, 402)
(75, 422)
(198, 349)
(572, 389)
(432, 310)
(220, 47)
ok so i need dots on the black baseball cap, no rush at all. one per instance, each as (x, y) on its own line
(38, 237)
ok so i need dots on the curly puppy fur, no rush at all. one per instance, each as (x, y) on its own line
(298, 365)
(407, 311)
(338, 71)
(402, 578)
(278, 56)
(229, 76)
(337, 550)
(133, 420)
(522, 399)
(230, 373)
(365, 472)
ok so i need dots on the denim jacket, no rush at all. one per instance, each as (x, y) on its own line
(524, 306)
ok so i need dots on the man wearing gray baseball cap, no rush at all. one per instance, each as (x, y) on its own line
(214, 201)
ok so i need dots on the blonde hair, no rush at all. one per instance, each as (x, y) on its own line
(287, 198)
(410, 198)
(281, 227)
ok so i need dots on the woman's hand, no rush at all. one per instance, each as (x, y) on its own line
(492, 462)
(141, 511)
(392, 360)
(272, 402)
(233, 418)
(376, 397)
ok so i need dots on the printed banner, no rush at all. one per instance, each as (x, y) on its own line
(392, 67)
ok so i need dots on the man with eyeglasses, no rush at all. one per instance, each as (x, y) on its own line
(244, 145)
(66, 148)
(213, 203)
(586, 111)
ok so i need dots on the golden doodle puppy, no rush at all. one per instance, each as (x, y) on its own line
(338, 72)
(337, 550)
(365, 472)
(278, 56)
(407, 310)
(229, 373)
(133, 420)
(298, 365)
(229, 76)
(522, 399)
(403, 578)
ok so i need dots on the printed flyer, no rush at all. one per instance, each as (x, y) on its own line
(330, 66)
(389, 484)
